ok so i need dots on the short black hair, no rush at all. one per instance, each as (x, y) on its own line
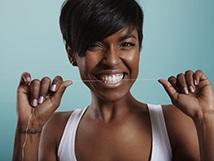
(84, 22)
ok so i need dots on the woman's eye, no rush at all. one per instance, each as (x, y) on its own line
(94, 47)
(127, 45)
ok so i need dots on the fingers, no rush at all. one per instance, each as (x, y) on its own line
(190, 79)
(35, 89)
(40, 90)
(185, 83)
(60, 91)
(44, 89)
(56, 83)
(173, 81)
(25, 78)
(199, 76)
(170, 89)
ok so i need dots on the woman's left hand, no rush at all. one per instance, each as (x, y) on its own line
(191, 92)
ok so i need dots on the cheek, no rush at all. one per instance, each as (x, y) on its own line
(86, 64)
(132, 62)
(132, 58)
(91, 61)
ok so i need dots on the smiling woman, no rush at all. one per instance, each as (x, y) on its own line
(112, 64)
(103, 40)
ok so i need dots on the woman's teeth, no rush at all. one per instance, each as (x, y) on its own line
(112, 79)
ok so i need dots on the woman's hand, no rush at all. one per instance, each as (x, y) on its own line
(191, 92)
(38, 99)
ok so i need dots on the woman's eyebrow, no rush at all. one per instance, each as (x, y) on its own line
(127, 36)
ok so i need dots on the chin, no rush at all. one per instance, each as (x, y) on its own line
(113, 96)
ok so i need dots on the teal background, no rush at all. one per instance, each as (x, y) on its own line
(178, 35)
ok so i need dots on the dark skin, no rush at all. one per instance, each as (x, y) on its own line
(116, 126)
(140, 134)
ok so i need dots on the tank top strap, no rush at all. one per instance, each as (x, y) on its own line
(161, 148)
(66, 149)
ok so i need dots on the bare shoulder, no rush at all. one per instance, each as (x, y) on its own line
(51, 135)
(176, 121)
(59, 118)
(55, 126)
(182, 134)
(173, 115)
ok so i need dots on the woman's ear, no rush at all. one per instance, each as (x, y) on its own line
(71, 56)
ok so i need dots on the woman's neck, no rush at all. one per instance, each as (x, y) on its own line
(108, 111)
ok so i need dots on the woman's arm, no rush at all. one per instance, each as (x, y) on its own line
(36, 102)
(26, 146)
(205, 129)
(192, 93)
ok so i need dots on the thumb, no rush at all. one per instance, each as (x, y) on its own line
(53, 102)
(173, 94)
(56, 98)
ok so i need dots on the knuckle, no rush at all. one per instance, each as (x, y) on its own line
(46, 79)
(57, 80)
(188, 72)
(171, 78)
(35, 94)
(198, 71)
(43, 91)
(180, 75)
(25, 74)
(58, 77)
(36, 81)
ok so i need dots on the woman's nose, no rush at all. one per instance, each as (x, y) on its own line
(112, 58)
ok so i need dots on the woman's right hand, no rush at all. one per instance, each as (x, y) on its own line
(38, 99)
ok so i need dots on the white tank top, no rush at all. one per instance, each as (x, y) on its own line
(161, 148)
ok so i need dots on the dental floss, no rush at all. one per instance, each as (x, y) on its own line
(26, 135)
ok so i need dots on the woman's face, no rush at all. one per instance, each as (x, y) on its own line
(110, 66)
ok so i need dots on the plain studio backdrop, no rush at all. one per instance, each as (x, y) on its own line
(178, 35)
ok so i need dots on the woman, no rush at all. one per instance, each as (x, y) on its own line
(103, 39)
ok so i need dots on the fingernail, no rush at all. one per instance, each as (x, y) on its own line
(196, 82)
(186, 90)
(28, 80)
(191, 88)
(34, 103)
(68, 83)
(53, 87)
(41, 99)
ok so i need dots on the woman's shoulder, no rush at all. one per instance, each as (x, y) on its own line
(56, 123)
(60, 117)
(176, 121)
(175, 116)
(182, 132)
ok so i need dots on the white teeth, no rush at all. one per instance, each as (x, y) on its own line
(112, 79)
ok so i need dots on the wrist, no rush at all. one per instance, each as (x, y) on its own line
(206, 118)
(29, 131)
(205, 130)
(31, 126)
(29, 122)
